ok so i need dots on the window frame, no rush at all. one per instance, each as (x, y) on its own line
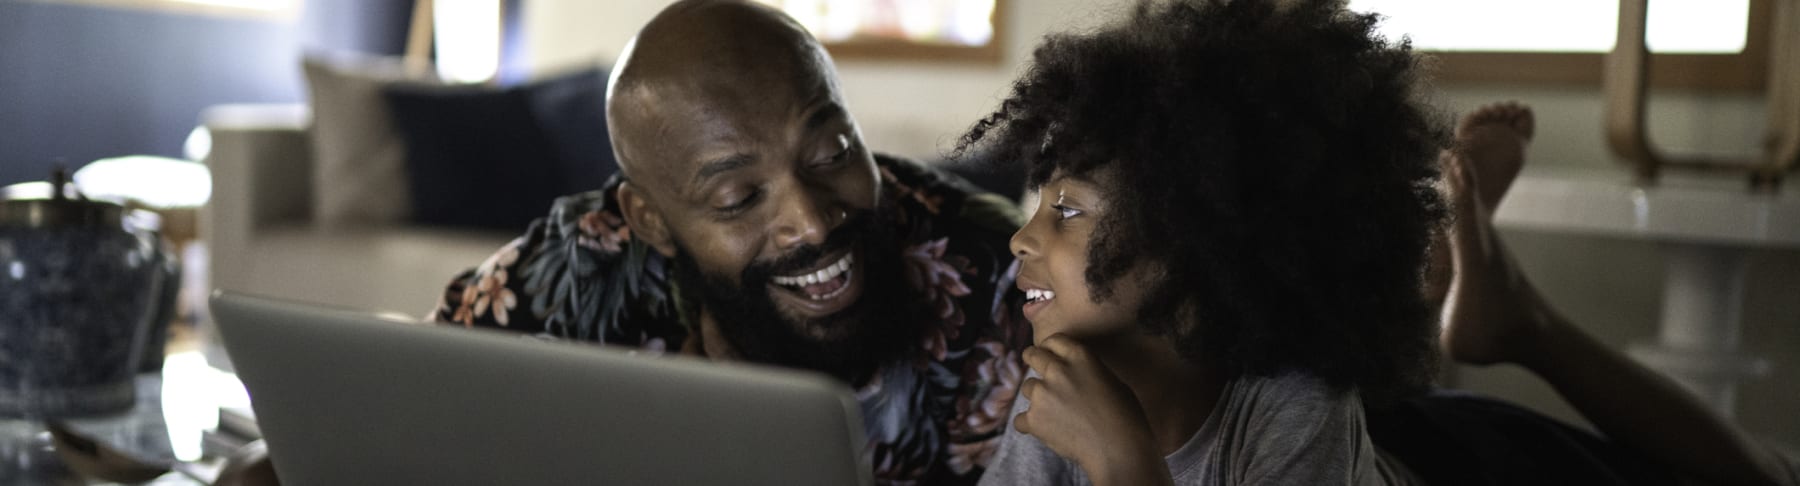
(895, 49)
(1746, 71)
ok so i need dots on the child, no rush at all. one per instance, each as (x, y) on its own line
(1236, 199)
(1224, 266)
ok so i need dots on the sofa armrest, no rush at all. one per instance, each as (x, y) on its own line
(261, 163)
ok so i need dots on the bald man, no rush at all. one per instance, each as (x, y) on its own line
(751, 223)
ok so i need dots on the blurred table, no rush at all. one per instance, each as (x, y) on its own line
(177, 418)
(1707, 225)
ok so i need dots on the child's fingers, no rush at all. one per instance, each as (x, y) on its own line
(1030, 390)
(1030, 387)
(1047, 364)
(1022, 421)
(1064, 347)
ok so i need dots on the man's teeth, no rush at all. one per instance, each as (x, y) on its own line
(823, 275)
(1036, 295)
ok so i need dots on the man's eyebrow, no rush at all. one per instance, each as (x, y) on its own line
(823, 114)
(714, 167)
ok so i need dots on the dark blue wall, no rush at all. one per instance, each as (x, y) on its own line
(80, 82)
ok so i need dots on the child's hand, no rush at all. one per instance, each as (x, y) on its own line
(1086, 414)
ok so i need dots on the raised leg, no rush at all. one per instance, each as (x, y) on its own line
(1492, 314)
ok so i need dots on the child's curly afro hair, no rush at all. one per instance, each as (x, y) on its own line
(1270, 160)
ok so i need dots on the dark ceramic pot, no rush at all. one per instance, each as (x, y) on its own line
(162, 313)
(147, 224)
(77, 286)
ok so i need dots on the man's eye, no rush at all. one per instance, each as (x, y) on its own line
(739, 204)
(1065, 212)
(842, 154)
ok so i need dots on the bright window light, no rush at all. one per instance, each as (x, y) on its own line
(947, 22)
(192, 394)
(261, 5)
(1675, 26)
(467, 33)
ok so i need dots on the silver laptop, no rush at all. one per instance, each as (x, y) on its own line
(349, 398)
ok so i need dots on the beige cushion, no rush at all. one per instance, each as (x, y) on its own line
(359, 166)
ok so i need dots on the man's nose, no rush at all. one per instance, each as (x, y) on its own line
(805, 218)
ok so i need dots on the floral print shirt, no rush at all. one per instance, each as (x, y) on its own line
(934, 417)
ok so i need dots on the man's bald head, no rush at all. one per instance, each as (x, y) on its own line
(701, 57)
(745, 168)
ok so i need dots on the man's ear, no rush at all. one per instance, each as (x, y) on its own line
(646, 223)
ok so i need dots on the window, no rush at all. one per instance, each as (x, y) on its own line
(907, 29)
(270, 9)
(1706, 44)
(467, 36)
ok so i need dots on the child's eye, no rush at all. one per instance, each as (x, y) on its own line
(1065, 212)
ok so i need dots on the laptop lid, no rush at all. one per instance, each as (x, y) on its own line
(349, 398)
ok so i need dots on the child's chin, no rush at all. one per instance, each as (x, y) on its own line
(1042, 330)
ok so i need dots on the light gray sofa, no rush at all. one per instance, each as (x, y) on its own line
(262, 239)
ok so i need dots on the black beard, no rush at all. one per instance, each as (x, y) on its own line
(878, 327)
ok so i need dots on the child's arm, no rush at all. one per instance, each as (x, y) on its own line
(1083, 412)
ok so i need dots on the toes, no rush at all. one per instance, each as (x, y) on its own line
(1524, 121)
(1485, 114)
(1515, 115)
(1511, 114)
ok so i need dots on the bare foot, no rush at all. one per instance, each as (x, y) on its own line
(1493, 137)
(1492, 314)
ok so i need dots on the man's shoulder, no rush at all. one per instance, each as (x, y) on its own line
(577, 273)
(948, 195)
(572, 206)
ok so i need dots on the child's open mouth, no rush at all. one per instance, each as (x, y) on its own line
(1036, 300)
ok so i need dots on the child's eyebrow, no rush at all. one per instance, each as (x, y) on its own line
(1079, 179)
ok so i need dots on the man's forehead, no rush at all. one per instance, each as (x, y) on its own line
(710, 80)
(688, 139)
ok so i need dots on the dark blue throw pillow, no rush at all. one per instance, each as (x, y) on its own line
(572, 110)
(496, 158)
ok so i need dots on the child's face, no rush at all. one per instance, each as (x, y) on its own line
(1053, 255)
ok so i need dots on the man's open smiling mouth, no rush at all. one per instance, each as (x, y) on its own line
(823, 290)
(824, 283)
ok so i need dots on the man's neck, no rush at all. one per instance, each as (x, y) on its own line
(1177, 395)
(709, 342)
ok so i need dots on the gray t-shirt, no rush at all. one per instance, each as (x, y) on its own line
(1288, 429)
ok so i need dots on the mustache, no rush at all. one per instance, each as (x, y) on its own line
(856, 226)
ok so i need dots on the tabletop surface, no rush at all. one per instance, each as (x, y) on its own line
(1712, 209)
(176, 417)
